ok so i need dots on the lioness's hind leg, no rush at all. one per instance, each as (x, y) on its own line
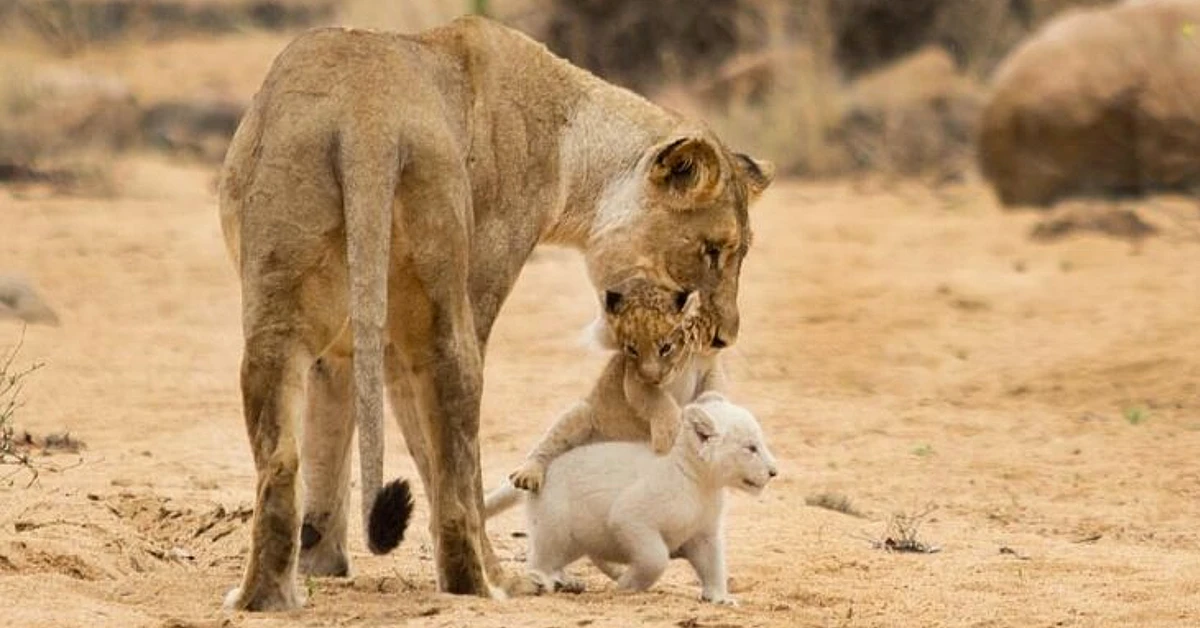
(274, 370)
(328, 433)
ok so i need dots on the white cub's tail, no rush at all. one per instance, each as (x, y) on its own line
(500, 499)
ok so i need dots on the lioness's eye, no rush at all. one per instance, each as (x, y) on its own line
(666, 349)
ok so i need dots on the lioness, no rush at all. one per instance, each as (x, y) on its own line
(665, 360)
(379, 199)
(618, 502)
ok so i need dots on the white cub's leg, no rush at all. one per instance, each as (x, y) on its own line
(648, 556)
(706, 553)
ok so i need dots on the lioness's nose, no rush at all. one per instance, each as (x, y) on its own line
(727, 333)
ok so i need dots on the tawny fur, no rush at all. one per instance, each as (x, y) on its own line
(664, 361)
(379, 199)
(620, 504)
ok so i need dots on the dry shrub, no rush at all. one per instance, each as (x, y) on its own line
(414, 15)
(68, 26)
(785, 102)
(13, 452)
(915, 117)
(60, 126)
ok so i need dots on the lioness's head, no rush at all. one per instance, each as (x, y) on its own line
(650, 324)
(729, 441)
(680, 217)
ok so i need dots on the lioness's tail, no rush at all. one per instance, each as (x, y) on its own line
(500, 499)
(389, 517)
(370, 167)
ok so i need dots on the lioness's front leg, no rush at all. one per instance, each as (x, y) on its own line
(657, 407)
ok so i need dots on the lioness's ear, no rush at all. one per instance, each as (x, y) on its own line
(688, 303)
(700, 422)
(688, 170)
(758, 173)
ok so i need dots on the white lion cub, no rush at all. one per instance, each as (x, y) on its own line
(619, 503)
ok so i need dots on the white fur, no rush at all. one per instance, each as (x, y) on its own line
(617, 502)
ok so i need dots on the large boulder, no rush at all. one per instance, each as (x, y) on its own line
(1099, 102)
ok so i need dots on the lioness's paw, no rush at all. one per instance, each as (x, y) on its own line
(285, 599)
(528, 476)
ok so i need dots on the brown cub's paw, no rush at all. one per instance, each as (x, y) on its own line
(528, 477)
(662, 436)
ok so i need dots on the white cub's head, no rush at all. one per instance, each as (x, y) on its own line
(729, 443)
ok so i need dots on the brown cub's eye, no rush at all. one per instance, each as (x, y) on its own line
(631, 351)
(667, 349)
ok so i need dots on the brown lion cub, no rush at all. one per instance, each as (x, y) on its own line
(665, 362)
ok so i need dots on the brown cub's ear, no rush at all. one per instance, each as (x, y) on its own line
(687, 302)
(758, 173)
(688, 171)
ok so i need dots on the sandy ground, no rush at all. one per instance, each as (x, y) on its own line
(911, 350)
(902, 348)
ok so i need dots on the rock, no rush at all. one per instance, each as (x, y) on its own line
(19, 300)
(1099, 102)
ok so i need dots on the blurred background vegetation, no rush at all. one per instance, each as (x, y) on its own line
(823, 87)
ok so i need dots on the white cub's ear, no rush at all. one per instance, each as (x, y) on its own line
(699, 421)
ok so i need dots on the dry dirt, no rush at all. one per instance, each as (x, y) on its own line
(904, 348)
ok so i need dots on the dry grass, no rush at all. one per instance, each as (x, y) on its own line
(833, 501)
(799, 104)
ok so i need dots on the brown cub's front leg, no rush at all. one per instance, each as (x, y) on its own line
(573, 428)
(657, 407)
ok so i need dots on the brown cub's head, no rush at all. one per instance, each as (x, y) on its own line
(680, 218)
(651, 325)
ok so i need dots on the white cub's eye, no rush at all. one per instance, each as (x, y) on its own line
(752, 449)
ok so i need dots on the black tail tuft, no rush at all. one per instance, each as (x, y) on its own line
(390, 513)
